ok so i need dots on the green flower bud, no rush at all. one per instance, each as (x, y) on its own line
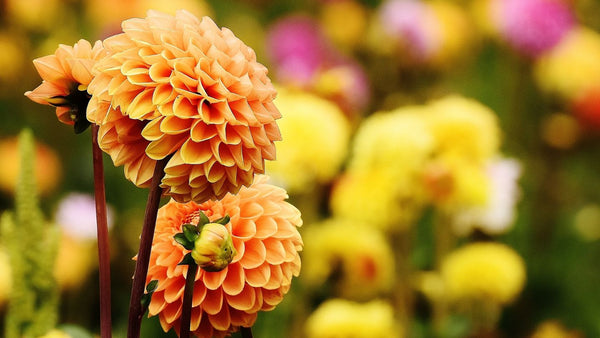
(213, 249)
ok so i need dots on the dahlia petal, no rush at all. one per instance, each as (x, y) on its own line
(213, 302)
(252, 210)
(162, 94)
(164, 146)
(195, 152)
(199, 293)
(275, 251)
(171, 312)
(172, 125)
(275, 281)
(151, 131)
(141, 106)
(209, 114)
(201, 131)
(156, 306)
(273, 132)
(81, 70)
(245, 229)
(265, 227)
(227, 134)
(290, 250)
(215, 175)
(183, 108)
(243, 300)
(259, 276)
(160, 72)
(174, 291)
(232, 175)
(50, 69)
(221, 320)
(272, 297)
(243, 112)
(213, 280)
(255, 254)
(234, 283)
(196, 318)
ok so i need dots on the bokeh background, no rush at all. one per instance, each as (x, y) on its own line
(444, 155)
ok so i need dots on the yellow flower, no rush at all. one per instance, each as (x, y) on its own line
(399, 141)
(12, 58)
(464, 127)
(56, 333)
(340, 318)
(344, 22)
(358, 253)
(75, 260)
(457, 35)
(483, 271)
(572, 66)
(5, 276)
(181, 87)
(379, 198)
(554, 329)
(315, 136)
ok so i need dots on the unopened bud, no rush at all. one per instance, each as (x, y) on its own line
(213, 250)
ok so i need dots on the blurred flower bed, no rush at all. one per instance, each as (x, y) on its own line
(443, 155)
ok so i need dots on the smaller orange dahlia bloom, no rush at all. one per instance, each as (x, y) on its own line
(180, 87)
(264, 232)
(66, 75)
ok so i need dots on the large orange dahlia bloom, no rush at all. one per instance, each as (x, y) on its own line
(66, 75)
(264, 233)
(181, 87)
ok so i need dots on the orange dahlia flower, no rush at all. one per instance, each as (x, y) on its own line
(264, 232)
(66, 75)
(181, 87)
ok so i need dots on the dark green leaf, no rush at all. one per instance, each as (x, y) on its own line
(203, 219)
(187, 260)
(181, 239)
(223, 220)
(152, 286)
(190, 232)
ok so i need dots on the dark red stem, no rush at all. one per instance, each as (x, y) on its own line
(103, 242)
(246, 332)
(136, 311)
(188, 293)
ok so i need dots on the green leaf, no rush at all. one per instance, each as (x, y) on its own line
(152, 286)
(203, 219)
(223, 220)
(181, 239)
(187, 260)
(190, 232)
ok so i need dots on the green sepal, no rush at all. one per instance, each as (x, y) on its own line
(181, 239)
(151, 287)
(187, 260)
(203, 220)
(223, 220)
(147, 297)
(190, 232)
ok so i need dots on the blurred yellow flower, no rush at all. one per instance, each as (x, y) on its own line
(36, 15)
(560, 130)
(5, 276)
(554, 329)
(344, 22)
(315, 136)
(353, 254)
(377, 197)
(456, 33)
(75, 260)
(572, 66)
(399, 141)
(340, 318)
(47, 166)
(464, 127)
(56, 333)
(483, 271)
(12, 57)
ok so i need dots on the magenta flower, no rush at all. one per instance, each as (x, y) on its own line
(532, 27)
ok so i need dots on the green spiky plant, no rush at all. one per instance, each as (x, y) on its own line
(32, 246)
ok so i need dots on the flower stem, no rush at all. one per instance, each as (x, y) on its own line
(103, 243)
(136, 311)
(246, 332)
(188, 293)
